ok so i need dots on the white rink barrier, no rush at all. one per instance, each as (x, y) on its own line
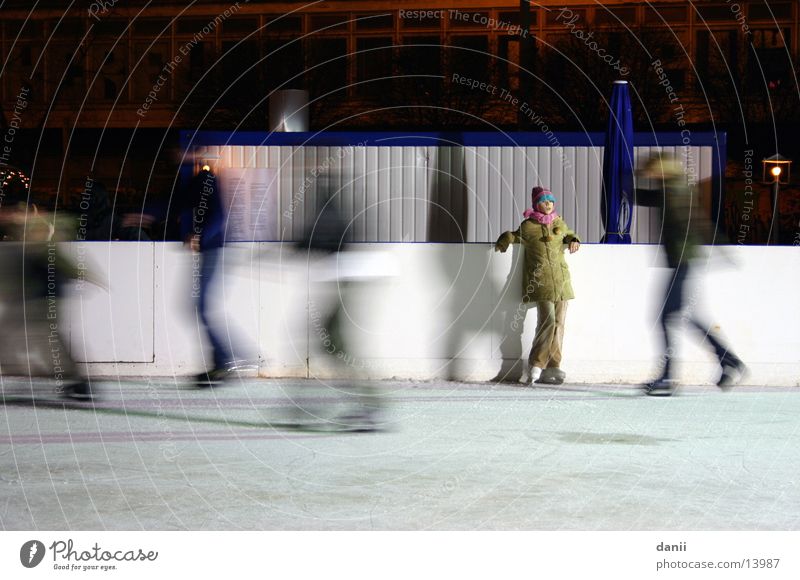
(429, 311)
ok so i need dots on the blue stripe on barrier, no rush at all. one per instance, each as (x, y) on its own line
(443, 138)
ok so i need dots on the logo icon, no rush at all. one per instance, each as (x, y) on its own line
(31, 553)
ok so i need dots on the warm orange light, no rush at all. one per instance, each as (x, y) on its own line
(208, 168)
(775, 171)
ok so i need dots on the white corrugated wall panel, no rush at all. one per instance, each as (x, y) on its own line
(420, 189)
(495, 184)
(481, 202)
(440, 193)
(371, 187)
(396, 194)
(595, 184)
(359, 194)
(395, 188)
(407, 194)
(506, 189)
(581, 222)
(521, 193)
(385, 186)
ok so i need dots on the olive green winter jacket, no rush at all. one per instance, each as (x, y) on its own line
(546, 272)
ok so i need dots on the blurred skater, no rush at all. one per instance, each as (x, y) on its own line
(34, 273)
(343, 285)
(202, 223)
(685, 226)
(545, 236)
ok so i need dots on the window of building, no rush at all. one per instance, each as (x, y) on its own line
(144, 76)
(776, 10)
(373, 61)
(18, 70)
(69, 28)
(419, 61)
(671, 14)
(284, 25)
(24, 29)
(199, 60)
(283, 64)
(615, 16)
(239, 64)
(240, 26)
(65, 72)
(151, 27)
(327, 65)
(715, 12)
(374, 22)
(240, 74)
(109, 28)
(667, 46)
(508, 48)
(329, 22)
(469, 57)
(716, 58)
(110, 62)
(25, 53)
(110, 90)
(768, 62)
(193, 25)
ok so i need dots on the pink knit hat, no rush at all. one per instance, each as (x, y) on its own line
(539, 194)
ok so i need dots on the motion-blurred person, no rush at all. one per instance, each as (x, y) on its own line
(685, 226)
(545, 236)
(341, 283)
(31, 286)
(202, 222)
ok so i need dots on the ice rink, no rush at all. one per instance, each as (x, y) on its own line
(156, 455)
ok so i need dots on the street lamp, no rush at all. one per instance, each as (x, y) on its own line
(775, 166)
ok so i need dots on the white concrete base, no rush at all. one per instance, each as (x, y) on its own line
(450, 311)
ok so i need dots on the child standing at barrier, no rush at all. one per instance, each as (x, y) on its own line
(544, 234)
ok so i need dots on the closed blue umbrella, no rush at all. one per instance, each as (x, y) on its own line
(618, 168)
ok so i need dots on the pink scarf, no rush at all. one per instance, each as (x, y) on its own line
(542, 218)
